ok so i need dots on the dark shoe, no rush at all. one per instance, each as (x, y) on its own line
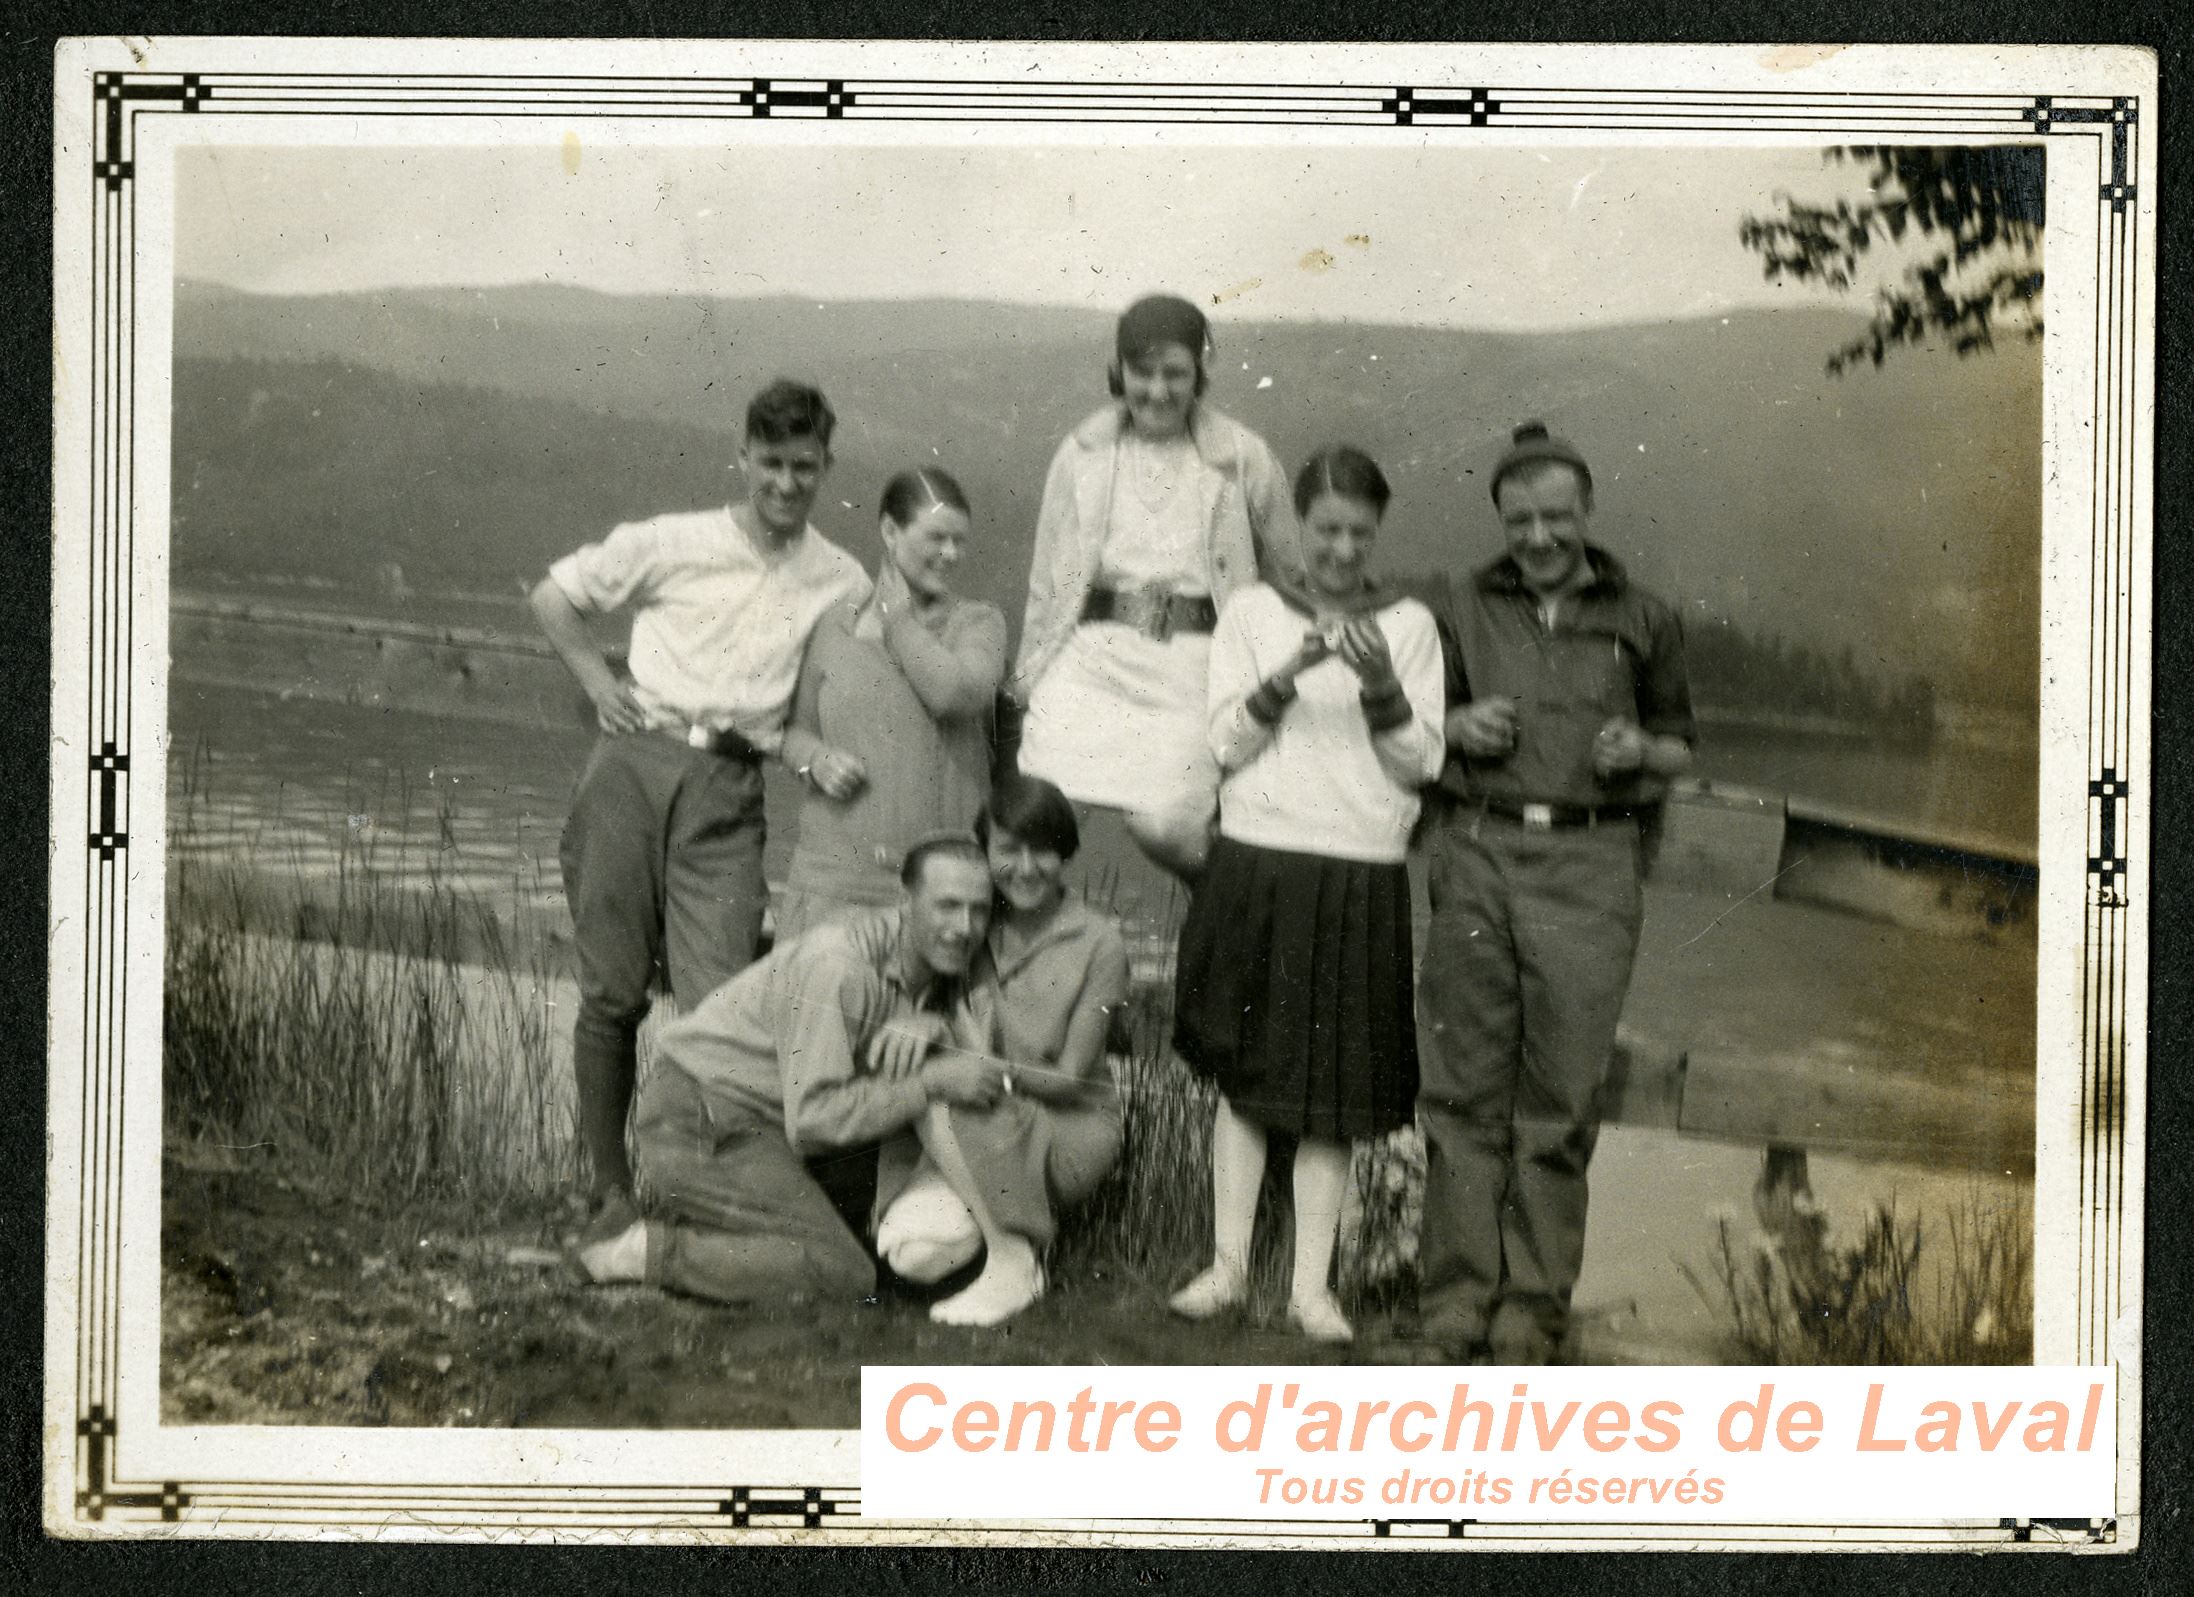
(1519, 1337)
(1453, 1338)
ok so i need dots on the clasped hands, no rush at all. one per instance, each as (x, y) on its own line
(916, 1046)
(1361, 645)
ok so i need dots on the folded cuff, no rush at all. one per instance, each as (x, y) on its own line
(1386, 708)
(1270, 701)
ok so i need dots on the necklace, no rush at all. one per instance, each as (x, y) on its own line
(1154, 468)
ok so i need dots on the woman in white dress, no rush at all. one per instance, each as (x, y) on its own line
(1157, 509)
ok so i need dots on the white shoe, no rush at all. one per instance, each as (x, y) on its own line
(1212, 1293)
(1003, 1290)
(620, 1257)
(1320, 1319)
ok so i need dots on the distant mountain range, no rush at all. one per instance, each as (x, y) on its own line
(469, 436)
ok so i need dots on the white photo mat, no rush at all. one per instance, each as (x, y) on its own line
(123, 110)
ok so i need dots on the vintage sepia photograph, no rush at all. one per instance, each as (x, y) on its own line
(387, 436)
(769, 745)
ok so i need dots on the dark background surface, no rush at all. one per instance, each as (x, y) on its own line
(30, 1563)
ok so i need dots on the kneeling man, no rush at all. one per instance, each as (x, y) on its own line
(778, 1065)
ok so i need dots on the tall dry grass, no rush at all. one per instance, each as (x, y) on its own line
(1151, 1219)
(394, 1036)
(401, 1047)
(1868, 1299)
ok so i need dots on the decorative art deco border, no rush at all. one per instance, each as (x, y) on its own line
(2104, 130)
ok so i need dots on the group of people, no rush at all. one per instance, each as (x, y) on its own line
(1205, 649)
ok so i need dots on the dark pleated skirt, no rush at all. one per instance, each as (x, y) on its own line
(1293, 991)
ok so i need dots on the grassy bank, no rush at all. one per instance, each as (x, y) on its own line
(369, 1055)
(413, 1052)
(1897, 1290)
(405, 1062)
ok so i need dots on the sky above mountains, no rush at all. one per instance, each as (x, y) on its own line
(1537, 239)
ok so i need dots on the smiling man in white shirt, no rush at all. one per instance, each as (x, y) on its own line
(662, 855)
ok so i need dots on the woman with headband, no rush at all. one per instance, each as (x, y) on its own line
(1157, 509)
(891, 719)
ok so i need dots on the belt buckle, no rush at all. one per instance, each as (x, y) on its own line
(1157, 607)
(1539, 817)
(699, 737)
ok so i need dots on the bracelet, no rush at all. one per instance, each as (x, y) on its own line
(1385, 707)
(1271, 700)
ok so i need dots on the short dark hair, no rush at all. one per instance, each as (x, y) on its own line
(939, 845)
(1151, 322)
(786, 410)
(1033, 811)
(1530, 469)
(912, 492)
(1345, 470)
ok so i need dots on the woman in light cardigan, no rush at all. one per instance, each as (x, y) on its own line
(1293, 989)
(1156, 510)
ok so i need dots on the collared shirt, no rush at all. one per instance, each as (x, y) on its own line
(1025, 1002)
(717, 628)
(785, 1038)
(1613, 650)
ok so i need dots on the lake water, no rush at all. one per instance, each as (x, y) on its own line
(295, 783)
(294, 787)
(1988, 794)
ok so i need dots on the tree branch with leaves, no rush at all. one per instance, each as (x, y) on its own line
(1980, 206)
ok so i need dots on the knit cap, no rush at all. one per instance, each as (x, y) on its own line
(1532, 445)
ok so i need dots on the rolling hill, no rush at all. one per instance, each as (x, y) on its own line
(470, 435)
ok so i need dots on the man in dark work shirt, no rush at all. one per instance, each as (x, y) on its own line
(1569, 711)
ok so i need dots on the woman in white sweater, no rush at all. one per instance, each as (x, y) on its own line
(1294, 986)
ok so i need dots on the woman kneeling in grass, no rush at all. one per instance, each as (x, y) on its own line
(994, 1179)
(1293, 989)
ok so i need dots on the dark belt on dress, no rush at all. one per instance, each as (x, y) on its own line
(1157, 613)
(1555, 817)
(722, 742)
